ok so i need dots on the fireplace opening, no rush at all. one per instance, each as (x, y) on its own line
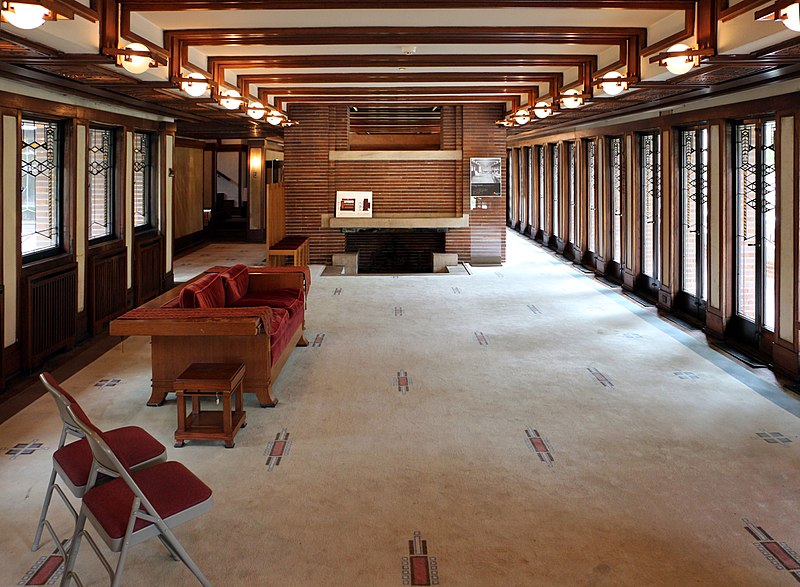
(395, 251)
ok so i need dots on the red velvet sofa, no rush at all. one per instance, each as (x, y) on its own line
(250, 315)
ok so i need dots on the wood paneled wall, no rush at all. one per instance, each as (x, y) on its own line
(424, 187)
(276, 213)
(188, 188)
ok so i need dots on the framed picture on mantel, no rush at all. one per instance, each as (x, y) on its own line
(353, 204)
(484, 177)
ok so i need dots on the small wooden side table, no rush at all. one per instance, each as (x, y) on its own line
(210, 381)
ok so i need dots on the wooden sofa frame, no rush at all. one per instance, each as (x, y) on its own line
(221, 335)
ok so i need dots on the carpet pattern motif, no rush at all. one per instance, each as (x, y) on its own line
(517, 426)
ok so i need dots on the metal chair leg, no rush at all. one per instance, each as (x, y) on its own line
(45, 506)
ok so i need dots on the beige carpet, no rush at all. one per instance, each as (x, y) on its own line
(521, 426)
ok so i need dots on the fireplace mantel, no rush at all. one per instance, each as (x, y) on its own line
(397, 221)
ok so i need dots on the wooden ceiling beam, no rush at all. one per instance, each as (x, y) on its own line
(406, 35)
(172, 5)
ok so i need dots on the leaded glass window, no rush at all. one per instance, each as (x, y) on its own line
(755, 178)
(616, 197)
(142, 178)
(650, 145)
(101, 183)
(542, 186)
(572, 235)
(591, 192)
(556, 191)
(41, 170)
(694, 212)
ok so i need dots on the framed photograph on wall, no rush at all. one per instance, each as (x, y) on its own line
(484, 177)
(353, 204)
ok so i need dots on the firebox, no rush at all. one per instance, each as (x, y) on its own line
(395, 251)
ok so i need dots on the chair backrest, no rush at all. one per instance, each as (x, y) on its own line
(62, 399)
(105, 458)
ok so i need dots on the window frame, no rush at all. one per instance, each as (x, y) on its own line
(116, 204)
(62, 202)
(150, 183)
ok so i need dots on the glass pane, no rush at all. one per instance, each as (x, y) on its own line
(616, 197)
(591, 190)
(40, 186)
(768, 209)
(689, 164)
(141, 179)
(573, 235)
(702, 227)
(540, 155)
(529, 183)
(556, 192)
(746, 199)
(651, 196)
(101, 182)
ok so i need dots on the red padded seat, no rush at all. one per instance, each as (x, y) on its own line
(132, 444)
(170, 487)
(206, 292)
(236, 280)
(288, 299)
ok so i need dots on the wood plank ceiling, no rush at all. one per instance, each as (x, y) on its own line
(416, 53)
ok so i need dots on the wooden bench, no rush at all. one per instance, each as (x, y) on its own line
(293, 246)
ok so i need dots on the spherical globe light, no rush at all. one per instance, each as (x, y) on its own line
(790, 17)
(612, 87)
(256, 110)
(274, 117)
(572, 99)
(136, 63)
(522, 116)
(195, 89)
(679, 65)
(542, 110)
(231, 99)
(25, 16)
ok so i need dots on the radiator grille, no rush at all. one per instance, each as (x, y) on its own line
(108, 288)
(51, 312)
(148, 274)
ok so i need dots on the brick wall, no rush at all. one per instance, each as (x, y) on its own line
(430, 187)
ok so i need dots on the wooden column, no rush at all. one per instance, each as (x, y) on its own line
(670, 222)
(719, 233)
(785, 350)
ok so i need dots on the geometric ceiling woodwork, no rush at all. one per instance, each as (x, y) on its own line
(398, 55)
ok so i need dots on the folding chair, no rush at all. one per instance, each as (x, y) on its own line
(73, 462)
(135, 506)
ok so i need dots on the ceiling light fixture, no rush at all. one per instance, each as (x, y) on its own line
(522, 116)
(613, 83)
(790, 17)
(195, 88)
(542, 110)
(23, 15)
(682, 63)
(231, 99)
(255, 110)
(275, 117)
(786, 12)
(507, 122)
(572, 99)
(137, 58)
(289, 122)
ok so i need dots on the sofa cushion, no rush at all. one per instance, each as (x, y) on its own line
(288, 299)
(236, 280)
(280, 333)
(206, 292)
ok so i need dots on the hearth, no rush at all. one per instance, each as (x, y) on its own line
(395, 251)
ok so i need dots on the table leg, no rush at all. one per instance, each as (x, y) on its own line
(181, 405)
